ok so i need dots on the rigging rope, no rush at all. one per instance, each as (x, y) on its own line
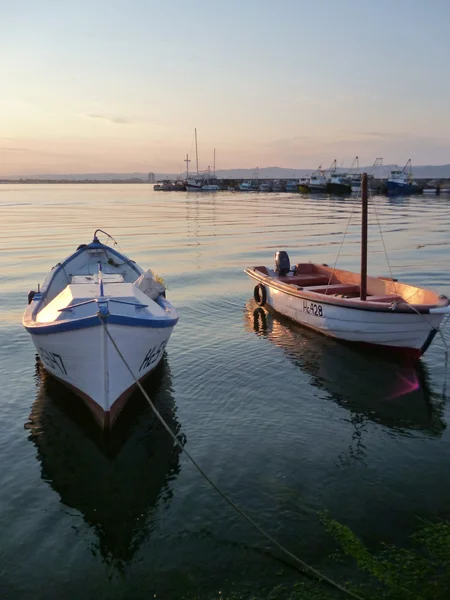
(374, 204)
(358, 195)
(299, 563)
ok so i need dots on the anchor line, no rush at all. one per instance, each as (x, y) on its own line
(300, 564)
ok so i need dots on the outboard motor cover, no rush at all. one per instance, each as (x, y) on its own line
(282, 262)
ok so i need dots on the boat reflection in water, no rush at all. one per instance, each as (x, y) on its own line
(372, 387)
(117, 480)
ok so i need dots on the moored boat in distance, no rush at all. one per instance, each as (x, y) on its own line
(203, 182)
(400, 181)
(163, 187)
(247, 186)
(265, 187)
(303, 184)
(337, 184)
(444, 187)
(353, 307)
(292, 186)
(431, 188)
(318, 181)
(277, 186)
(94, 292)
(355, 182)
(354, 177)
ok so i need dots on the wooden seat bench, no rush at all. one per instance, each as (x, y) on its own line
(334, 288)
(300, 280)
(386, 298)
(306, 279)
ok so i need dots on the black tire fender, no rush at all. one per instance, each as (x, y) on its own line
(260, 294)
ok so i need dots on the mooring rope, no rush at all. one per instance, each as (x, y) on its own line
(299, 563)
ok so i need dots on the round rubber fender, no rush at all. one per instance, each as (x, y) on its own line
(31, 295)
(260, 294)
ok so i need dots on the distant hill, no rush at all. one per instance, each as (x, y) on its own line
(421, 172)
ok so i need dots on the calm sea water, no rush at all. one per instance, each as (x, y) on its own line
(287, 422)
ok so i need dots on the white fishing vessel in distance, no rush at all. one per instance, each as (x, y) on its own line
(95, 293)
(318, 181)
(376, 311)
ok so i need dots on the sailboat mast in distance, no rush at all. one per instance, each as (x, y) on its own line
(196, 149)
(214, 165)
(187, 161)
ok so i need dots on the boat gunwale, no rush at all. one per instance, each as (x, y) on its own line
(154, 322)
(348, 303)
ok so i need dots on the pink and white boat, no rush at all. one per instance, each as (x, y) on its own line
(349, 306)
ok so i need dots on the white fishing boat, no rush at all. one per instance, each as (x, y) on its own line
(378, 311)
(95, 293)
(318, 181)
(247, 186)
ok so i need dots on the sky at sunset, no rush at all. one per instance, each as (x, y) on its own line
(119, 86)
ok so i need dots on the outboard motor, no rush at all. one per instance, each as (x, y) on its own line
(282, 263)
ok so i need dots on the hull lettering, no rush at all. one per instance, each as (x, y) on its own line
(152, 356)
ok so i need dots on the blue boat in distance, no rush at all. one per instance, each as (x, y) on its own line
(400, 182)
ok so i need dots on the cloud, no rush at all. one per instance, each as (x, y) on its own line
(13, 149)
(287, 141)
(115, 120)
(378, 134)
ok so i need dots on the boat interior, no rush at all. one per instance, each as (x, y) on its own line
(83, 268)
(322, 279)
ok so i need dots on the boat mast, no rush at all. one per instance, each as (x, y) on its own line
(214, 167)
(364, 221)
(187, 161)
(355, 165)
(196, 149)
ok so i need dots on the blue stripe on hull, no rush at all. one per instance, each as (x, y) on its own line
(94, 321)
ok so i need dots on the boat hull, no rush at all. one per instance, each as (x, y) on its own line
(406, 332)
(398, 189)
(87, 362)
(202, 188)
(339, 188)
